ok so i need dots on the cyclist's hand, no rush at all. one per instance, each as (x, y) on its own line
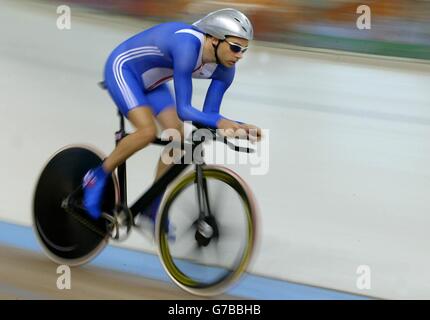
(232, 129)
(254, 132)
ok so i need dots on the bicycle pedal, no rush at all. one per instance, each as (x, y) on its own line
(120, 223)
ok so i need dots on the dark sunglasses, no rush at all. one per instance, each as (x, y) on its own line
(236, 47)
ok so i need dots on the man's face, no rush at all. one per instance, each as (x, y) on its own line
(226, 55)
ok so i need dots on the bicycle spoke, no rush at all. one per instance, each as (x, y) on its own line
(215, 245)
(226, 231)
(191, 253)
(207, 264)
(186, 205)
(216, 198)
(188, 230)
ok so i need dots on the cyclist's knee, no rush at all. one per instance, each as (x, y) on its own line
(149, 133)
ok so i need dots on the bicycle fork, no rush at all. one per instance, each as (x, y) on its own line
(207, 228)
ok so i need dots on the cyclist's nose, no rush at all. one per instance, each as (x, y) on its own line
(239, 55)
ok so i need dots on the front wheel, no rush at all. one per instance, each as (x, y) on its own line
(211, 251)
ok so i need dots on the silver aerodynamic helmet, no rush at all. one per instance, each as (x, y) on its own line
(226, 22)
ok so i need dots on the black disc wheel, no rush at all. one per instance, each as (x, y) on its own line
(71, 238)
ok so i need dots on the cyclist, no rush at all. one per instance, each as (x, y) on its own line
(136, 73)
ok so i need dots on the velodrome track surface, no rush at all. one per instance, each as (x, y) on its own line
(349, 152)
(29, 275)
(118, 273)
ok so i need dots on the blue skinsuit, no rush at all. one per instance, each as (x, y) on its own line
(137, 70)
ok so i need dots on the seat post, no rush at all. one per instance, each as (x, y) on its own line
(121, 122)
(122, 169)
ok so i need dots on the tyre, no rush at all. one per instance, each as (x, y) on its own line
(207, 265)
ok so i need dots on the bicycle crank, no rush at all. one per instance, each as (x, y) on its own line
(120, 223)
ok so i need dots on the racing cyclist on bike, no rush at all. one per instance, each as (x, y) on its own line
(136, 73)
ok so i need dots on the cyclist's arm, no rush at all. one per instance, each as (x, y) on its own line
(185, 52)
(221, 81)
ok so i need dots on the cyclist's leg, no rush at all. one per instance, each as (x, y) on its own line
(165, 111)
(168, 119)
(126, 90)
(145, 131)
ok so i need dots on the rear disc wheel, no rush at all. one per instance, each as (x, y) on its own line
(70, 238)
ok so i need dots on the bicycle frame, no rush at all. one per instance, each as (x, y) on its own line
(161, 184)
(60, 195)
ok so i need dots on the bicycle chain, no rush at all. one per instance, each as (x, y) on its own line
(88, 224)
